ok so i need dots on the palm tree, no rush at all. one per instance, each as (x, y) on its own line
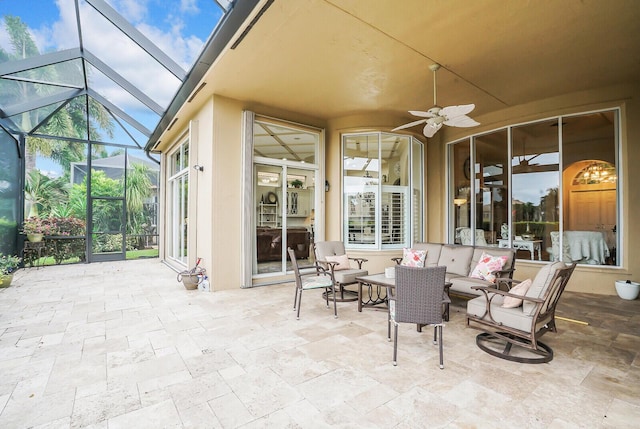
(70, 121)
(42, 193)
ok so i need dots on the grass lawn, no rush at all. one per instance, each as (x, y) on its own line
(145, 253)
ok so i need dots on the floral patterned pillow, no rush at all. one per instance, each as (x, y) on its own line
(487, 266)
(413, 258)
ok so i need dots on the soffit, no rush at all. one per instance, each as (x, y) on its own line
(331, 58)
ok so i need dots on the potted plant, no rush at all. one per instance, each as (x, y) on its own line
(296, 183)
(8, 264)
(35, 228)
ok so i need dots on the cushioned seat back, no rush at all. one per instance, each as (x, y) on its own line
(433, 252)
(328, 248)
(540, 284)
(456, 258)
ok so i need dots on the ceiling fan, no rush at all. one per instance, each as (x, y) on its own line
(453, 116)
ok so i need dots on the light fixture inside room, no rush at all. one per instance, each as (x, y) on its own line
(459, 201)
(595, 173)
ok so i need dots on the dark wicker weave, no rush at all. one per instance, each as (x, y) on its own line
(418, 299)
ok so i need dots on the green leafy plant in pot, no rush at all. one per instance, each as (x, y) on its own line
(36, 228)
(8, 265)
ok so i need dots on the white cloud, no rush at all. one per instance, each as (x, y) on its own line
(189, 6)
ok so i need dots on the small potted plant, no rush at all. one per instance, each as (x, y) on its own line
(8, 264)
(296, 183)
(35, 228)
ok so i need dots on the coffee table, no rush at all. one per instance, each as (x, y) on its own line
(380, 281)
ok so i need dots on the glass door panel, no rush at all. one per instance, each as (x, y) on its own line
(299, 214)
(268, 250)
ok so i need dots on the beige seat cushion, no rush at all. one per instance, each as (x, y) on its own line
(349, 276)
(512, 317)
(539, 285)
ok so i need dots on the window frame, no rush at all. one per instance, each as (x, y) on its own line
(470, 140)
(413, 206)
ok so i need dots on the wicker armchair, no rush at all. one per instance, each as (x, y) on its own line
(506, 325)
(319, 278)
(418, 298)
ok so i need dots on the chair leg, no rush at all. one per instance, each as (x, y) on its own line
(295, 299)
(335, 307)
(299, 304)
(395, 344)
(435, 335)
(441, 347)
(389, 326)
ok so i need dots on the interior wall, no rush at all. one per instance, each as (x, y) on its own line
(589, 279)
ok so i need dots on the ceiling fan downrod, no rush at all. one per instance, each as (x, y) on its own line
(434, 68)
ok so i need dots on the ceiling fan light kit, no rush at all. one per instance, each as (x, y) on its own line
(434, 118)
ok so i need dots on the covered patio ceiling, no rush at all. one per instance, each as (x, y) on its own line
(326, 59)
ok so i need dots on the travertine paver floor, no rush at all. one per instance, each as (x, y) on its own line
(124, 345)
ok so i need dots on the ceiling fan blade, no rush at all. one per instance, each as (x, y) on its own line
(431, 129)
(409, 125)
(453, 111)
(422, 114)
(462, 121)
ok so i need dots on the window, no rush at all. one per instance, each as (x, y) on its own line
(547, 188)
(382, 190)
(178, 188)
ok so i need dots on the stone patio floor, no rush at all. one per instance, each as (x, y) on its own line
(124, 345)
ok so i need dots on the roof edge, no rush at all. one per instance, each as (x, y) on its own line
(219, 40)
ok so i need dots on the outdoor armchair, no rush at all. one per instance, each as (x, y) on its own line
(331, 256)
(520, 316)
(319, 278)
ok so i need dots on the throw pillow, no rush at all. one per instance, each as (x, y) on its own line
(519, 289)
(487, 266)
(413, 258)
(342, 260)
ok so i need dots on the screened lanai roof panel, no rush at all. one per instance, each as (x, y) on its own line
(64, 74)
(119, 52)
(134, 76)
(29, 121)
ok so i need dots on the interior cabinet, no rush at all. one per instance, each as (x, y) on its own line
(298, 202)
(268, 215)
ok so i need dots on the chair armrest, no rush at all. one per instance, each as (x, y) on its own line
(360, 261)
(501, 273)
(509, 282)
(397, 260)
(331, 265)
(488, 289)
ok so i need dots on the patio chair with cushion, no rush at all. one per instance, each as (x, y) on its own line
(418, 298)
(520, 316)
(331, 256)
(319, 278)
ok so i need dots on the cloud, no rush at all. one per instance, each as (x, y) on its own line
(189, 6)
(102, 39)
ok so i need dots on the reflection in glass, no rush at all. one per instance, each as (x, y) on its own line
(586, 193)
(461, 190)
(535, 181)
(491, 191)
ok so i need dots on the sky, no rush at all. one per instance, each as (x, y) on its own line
(179, 28)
